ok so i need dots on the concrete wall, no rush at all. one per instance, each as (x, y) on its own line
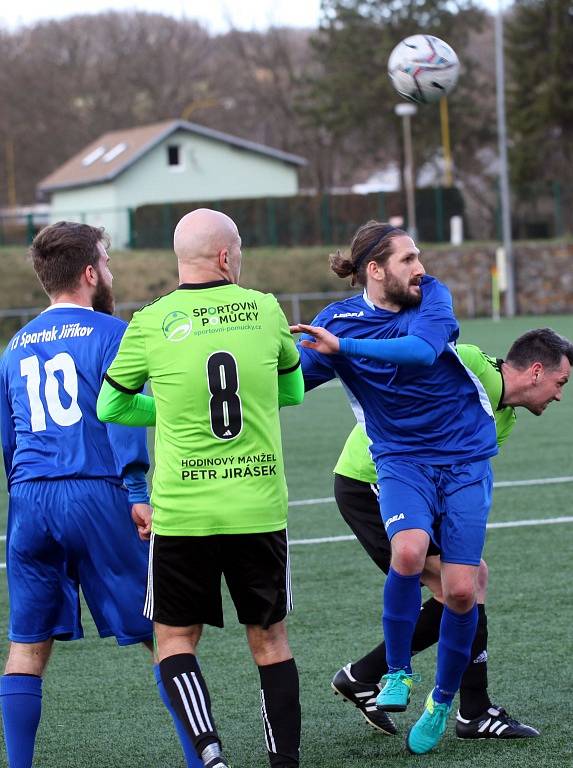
(544, 277)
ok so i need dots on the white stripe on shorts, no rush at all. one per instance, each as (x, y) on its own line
(149, 601)
(290, 604)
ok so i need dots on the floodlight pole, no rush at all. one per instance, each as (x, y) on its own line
(446, 146)
(503, 165)
(405, 111)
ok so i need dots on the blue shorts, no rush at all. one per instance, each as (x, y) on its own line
(451, 503)
(63, 534)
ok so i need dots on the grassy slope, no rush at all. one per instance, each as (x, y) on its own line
(142, 275)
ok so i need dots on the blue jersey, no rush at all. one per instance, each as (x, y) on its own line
(50, 376)
(438, 414)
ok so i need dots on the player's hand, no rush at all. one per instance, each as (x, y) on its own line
(324, 341)
(141, 515)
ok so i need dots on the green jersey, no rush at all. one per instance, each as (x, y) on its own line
(212, 353)
(355, 460)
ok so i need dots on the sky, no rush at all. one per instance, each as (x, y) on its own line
(216, 15)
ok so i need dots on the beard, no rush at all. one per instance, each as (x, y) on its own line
(103, 300)
(397, 293)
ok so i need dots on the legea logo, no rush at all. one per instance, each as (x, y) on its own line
(395, 519)
(177, 326)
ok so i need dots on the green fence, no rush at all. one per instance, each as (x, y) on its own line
(19, 230)
(539, 211)
(304, 219)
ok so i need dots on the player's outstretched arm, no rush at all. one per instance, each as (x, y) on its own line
(323, 341)
(406, 350)
(134, 410)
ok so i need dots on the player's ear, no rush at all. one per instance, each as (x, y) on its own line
(374, 270)
(224, 260)
(536, 371)
(91, 275)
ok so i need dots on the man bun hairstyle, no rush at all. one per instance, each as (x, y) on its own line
(371, 242)
(60, 253)
(541, 345)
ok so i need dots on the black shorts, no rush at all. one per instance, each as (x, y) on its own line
(358, 505)
(184, 584)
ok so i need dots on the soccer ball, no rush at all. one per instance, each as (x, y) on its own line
(423, 68)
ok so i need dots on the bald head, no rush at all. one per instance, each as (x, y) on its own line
(207, 246)
(202, 234)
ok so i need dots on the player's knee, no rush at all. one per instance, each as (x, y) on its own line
(408, 557)
(28, 658)
(461, 597)
(269, 646)
(175, 640)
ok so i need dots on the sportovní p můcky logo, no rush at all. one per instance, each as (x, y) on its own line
(177, 326)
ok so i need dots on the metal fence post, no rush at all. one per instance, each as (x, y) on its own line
(271, 221)
(439, 201)
(381, 206)
(166, 226)
(29, 227)
(558, 209)
(325, 222)
(295, 301)
(131, 228)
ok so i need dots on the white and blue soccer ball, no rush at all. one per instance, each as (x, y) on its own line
(423, 68)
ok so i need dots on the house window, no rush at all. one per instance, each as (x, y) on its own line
(174, 156)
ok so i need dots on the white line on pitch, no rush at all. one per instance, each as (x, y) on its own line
(499, 484)
(510, 524)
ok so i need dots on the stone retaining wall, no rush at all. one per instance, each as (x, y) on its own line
(544, 277)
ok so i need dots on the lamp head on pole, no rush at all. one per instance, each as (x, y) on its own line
(405, 110)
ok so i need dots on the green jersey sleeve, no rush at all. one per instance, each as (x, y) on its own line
(291, 387)
(131, 410)
(288, 354)
(129, 371)
(488, 371)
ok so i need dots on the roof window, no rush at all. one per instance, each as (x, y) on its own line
(114, 152)
(94, 155)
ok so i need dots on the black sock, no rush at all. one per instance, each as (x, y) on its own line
(474, 698)
(280, 710)
(189, 697)
(427, 629)
(370, 668)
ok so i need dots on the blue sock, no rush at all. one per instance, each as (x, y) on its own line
(186, 744)
(402, 602)
(457, 632)
(21, 700)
